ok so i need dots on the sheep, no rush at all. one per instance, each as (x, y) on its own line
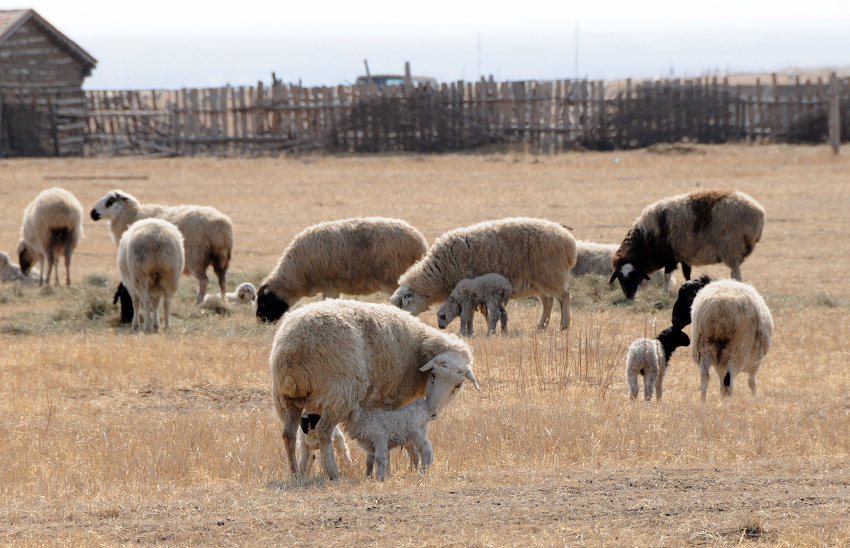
(52, 226)
(207, 232)
(330, 356)
(681, 315)
(308, 444)
(355, 256)
(379, 431)
(245, 294)
(649, 358)
(595, 258)
(732, 331)
(150, 260)
(535, 255)
(489, 293)
(699, 228)
(122, 295)
(10, 272)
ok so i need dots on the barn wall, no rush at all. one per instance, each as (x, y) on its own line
(30, 59)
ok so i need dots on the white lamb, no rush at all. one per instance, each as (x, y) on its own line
(245, 294)
(308, 444)
(150, 259)
(649, 358)
(488, 293)
(10, 272)
(378, 431)
(732, 328)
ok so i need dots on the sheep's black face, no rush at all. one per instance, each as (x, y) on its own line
(309, 422)
(630, 278)
(269, 306)
(25, 258)
(121, 294)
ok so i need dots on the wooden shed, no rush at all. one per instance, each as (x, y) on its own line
(42, 105)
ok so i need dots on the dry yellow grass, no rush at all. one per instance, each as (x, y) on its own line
(108, 437)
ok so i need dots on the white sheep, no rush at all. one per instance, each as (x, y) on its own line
(699, 228)
(596, 258)
(379, 431)
(10, 272)
(52, 226)
(535, 255)
(649, 358)
(245, 294)
(308, 444)
(330, 356)
(150, 260)
(207, 233)
(488, 293)
(732, 328)
(353, 256)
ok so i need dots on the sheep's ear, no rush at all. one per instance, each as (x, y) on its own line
(645, 275)
(471, 378)
(613, 277)
(427, 366)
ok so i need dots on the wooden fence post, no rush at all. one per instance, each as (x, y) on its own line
(834, 114)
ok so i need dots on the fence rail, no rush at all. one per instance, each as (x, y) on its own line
(549, 116)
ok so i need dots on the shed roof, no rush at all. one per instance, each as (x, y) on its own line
(12, 20)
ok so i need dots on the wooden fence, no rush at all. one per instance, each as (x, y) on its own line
(547, 116)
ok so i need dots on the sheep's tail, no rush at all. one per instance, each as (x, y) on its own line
(61, 237)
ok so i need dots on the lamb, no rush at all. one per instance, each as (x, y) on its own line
(331, 356)
(308, 444)
(595, 258)
(52, 226)
(207, 232)
(534, 255)
(681, 316)
(12, 273)
(489, 293)
(699, 228)
(649, 358)
(353, 256)
(732, 331)
(245, 294)
(150, 259)
(378, 431)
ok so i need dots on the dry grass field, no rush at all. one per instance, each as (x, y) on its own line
(110, 437)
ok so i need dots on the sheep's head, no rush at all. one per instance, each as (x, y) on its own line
(685, 298)
(447, 313)
(630, 278)
(111, 204)
(448, 371)
(270, 307)
(246, 293)
(408, 300)
(671, 339)
(26, 257)
(123, 295)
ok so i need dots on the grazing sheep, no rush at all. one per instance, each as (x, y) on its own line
(353, 256)
(699, 228)
(535, 256)
(649, 358)
(308, 444)
(378, 431)
(331, 356)
(121, 294)
(732, 330)
(207, 232)
(53, 225)
(594, 258)
(685, 298)
(150, 259)
(489, 293)
(10, 272)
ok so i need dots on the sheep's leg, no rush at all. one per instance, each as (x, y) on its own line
(493, 316)
(324, 430)
(137, 305)
(413, 453)
(667, 276)
(166, 311)
(736, 270)
(381, 457)
(151, 318)
(649, 384)
(703, 369)
(423, 446)
(632, 381)
(291, 422)
(467, 314)
(221, 274)
(68, 251)
(725, 380)
(686, 271)
(370, 463)
(341, 446)
(564, 300)
(658, 386)
(751, 381)
(41, 279)
(547, 303)
(503, 318)
(202, 286)
(50, 261)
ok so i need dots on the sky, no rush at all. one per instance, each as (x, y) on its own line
(162, 44)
